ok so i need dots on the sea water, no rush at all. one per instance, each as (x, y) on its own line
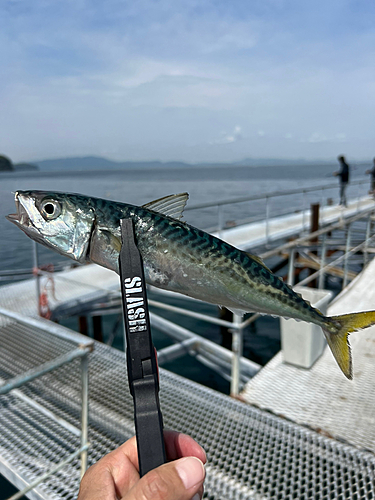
(204, 185)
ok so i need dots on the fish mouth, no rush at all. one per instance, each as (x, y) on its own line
(21, 217)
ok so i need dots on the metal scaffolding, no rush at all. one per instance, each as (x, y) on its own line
(252, 454)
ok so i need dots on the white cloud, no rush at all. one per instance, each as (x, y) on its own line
(234, 136)
(317, 137)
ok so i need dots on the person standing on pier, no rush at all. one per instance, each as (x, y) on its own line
(372, 173)
(343, 173)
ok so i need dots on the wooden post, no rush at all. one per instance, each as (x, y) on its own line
(82, 325)
(97, 324)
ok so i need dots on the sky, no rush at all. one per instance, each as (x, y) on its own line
(197, 81)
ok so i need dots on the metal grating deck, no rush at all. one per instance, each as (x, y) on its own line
(251, 453)
(321, 397)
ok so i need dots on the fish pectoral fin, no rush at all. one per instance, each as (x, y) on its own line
(171, 206)
(113, 241)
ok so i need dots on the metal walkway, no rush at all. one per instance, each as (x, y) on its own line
(321, 397)
(80, 285)
(251, 454)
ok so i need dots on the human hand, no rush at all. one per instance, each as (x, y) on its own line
(116, 475)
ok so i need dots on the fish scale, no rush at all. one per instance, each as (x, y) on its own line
(176, 257)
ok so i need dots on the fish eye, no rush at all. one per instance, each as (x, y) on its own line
(50, 209)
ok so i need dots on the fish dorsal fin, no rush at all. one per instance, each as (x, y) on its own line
(172, 205)
(259, 260)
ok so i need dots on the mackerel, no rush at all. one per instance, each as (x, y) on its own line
(176, 257)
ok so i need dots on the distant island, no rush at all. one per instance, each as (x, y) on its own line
(86, 163)
(97, 163)
(6, 165)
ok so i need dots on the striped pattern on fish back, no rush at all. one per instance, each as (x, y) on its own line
(219, 256)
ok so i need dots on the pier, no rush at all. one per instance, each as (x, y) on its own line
(287, 432)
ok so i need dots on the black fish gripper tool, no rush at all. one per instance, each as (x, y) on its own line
(143, 374)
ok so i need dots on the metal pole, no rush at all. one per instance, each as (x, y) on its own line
(292, 255)
(204, 346)
(303, 208)
(42, 369)
(267, 218)
(368, 230)
(348, 235)
(37, 277)
(237, 353)
(359, 195)
(175, 351)
(220, 218)
(84, 411)
(322, 262)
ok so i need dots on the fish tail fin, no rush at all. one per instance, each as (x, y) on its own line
(337, 333)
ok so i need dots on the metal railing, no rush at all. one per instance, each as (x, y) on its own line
(82, 351)
(303, 241)
(267, 198)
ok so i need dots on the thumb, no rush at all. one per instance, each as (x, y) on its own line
(178, 480)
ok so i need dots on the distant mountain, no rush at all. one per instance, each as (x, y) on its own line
(86, 163)
(99, 163)
(275, 162)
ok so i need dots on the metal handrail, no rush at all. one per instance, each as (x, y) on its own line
(272, 194)
(345, 256)
(337, 225)
(83, 349)
(267, 197)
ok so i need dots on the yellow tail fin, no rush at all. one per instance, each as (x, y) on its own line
(338, 340)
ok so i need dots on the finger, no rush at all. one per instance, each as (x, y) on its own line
(199, 494)
(97, 484)
(177, 480)
(113, 475)
(178, 445)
